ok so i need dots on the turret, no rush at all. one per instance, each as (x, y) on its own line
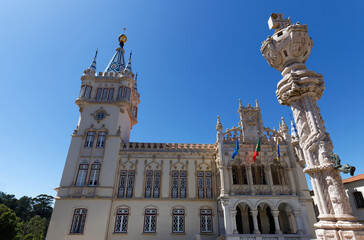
(250, 122)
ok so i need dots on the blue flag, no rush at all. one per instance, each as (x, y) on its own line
(236, 149)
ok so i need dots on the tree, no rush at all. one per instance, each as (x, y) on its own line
(24, 208)
(42, 206)
(8, 223)
(8, 200)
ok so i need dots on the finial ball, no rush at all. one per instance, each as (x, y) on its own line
(123, 38)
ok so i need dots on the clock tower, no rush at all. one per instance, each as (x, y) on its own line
(108, 105)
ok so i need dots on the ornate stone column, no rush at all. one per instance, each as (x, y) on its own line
(233, 221)
(268, 173)
(250, 178)
(255, 221)
(275, 214)
(297, 216)
(287, 51)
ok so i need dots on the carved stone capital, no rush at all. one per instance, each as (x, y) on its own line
(297, 82)
(254, 213)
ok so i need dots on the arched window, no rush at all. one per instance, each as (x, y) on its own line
(258, 174)
(81, 175)
(101, 139)
(121, 220)
(278, 174)
(127, 92)
(239, 175)
(78, 220)
(95, 174)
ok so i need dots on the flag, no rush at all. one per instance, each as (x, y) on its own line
(257, 150)
(294, 131)
(236, 149)
(278, 153)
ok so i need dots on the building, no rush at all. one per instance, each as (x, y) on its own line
(112, 188)
(354, 187)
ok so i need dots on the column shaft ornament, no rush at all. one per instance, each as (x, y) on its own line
(287, 51)
(275, 214)
(255, 221)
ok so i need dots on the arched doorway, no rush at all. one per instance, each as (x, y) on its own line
(286, 219)
(244, 219)
(265, 219)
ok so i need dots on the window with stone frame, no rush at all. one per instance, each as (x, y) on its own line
(98, 94)
(278, 174)
(101, 138)
(127, 92)
(359, 199)
(135, 111)
(150, 220)
(239, 175)
(126, 183)
(121, 220)
(110, 96)
(258, 174)
(179, 184)
(120, 94)
(204, 184)
(178, 220)
(78, 220)
(88, 92)
(152, 183)
(81, 175)
(94, 174)
(90, 139)
(206, 224)
(104, 94)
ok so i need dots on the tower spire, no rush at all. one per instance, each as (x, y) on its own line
(117, 63)
(92, 67)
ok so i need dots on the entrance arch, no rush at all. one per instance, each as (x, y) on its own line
(244, 219)
(266, 223)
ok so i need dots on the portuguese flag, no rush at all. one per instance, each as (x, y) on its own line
(257, 150)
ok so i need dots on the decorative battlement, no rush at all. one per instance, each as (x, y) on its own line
(169, 146)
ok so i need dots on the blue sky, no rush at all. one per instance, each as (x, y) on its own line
(194, 60)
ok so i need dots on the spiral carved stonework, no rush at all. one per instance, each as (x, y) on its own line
(287, 51)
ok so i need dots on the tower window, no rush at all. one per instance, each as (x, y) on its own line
(78, 221)
(135, 111)
(98, 94)
(81, 175)
(204, 181)
(150, 221)
(126, 184)
(111, 94)
(206, 221)
(178, 221)
(359, 199)
(121, 221)
(179, 184)
(127, 93)
(152, 183)
(104, 94)
(120, 94)
(101, 140)
(88, 92)
(94, 175)
(90, 139)
(82, 91)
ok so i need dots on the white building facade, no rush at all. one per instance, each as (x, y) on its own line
(112, 188)
(354, 187)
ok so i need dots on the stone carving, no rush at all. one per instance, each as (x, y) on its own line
(287, 51)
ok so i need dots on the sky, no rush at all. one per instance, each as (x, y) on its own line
(194, 60)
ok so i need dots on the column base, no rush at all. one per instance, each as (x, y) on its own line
(324, 234)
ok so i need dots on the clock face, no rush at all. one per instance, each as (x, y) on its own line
(100, 115)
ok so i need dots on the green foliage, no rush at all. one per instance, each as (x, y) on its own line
(8, 223)
(26, 218)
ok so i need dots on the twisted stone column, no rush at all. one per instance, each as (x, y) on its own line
(287, 51)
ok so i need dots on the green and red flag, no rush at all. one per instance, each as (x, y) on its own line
(257, 150)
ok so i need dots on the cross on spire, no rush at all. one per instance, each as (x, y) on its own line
(277, 22)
